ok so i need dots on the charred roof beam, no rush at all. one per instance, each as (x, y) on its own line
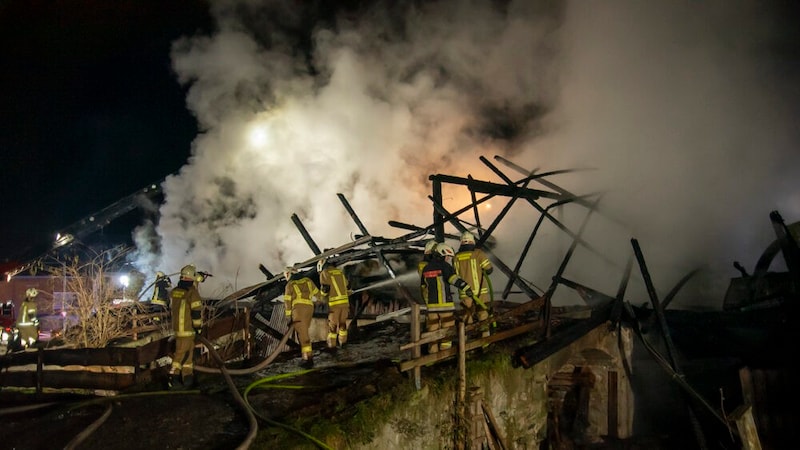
(299, 224)
(487, 187)
(550, 217)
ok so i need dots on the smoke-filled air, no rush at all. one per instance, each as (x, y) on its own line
(681, 114)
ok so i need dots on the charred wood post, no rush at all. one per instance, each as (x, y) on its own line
(662, 322)
(551, 290)
(462, 424)
(306, 236)
(616, 313)
(675, 376)
(438, 217)
(403, 293)
(416, 351)
(525, 249)
(791, 252)
(265, 271)
(353, 215)
(475, 209)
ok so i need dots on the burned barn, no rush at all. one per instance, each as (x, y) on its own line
(606, 370)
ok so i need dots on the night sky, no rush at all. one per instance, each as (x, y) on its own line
(91, 110)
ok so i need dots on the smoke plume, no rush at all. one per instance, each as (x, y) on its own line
(683, 112)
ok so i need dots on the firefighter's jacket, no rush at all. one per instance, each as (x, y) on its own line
(300, 290)
(187, 309)
(437, 277)
(28, 313)
(161, 292)
(423, 288)
(333, 284)
(474, 267)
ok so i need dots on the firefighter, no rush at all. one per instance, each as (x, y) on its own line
(333, 287)
(298, 298)
(28, 323)
(159, 303)
(187, 308)
(438, 275)
(427, 255)
(474, 267)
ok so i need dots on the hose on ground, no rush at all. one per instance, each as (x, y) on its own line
(251, 418)
(316, 441)
(83, 435)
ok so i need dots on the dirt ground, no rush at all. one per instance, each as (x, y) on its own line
(209, 417)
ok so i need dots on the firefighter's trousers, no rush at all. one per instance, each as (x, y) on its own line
(301, 316)
(337, 324)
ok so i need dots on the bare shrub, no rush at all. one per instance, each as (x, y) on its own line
(98, 320)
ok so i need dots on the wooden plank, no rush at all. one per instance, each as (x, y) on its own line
(613, 404)
(153, 350)
(223, 326)
(108, 356)
(746, 424)
(70, 379)
(416, 352)
(478, 343)
(494, 426)
(431, 336)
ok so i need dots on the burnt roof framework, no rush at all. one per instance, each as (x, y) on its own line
(365, 246)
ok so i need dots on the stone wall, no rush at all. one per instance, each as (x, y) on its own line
(517, 397)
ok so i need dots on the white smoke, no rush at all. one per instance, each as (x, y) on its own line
(677, 108)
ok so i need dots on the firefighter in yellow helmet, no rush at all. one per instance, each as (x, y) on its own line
(28, 323)
(333, 286)
(427, 255)
(438, 275)
(474, 267)
(159, 302)
(298, 299)
(187, 308)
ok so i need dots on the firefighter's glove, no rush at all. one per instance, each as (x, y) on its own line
(468, 292)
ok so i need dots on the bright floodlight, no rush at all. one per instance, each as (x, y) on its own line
(258, 136)
(124, 280)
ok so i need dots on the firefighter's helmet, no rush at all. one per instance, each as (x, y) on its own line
(288, 272)
(31, 292)
(321, 264)
(445, 250)
(189, 272)
(467, 238)
(430, 246)
(160, 274)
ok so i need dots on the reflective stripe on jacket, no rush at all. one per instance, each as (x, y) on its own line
(438, 275)
(473, 266)
(334, 284)
(299, 291)
(187, 307)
